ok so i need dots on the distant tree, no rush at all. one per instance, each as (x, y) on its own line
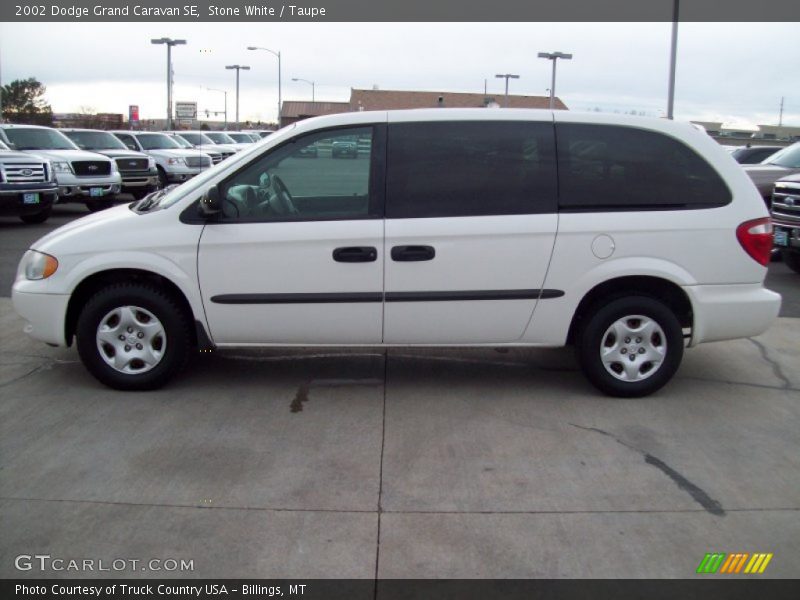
(23, 102)
(205, 127)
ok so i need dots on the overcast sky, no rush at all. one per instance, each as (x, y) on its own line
(731, 72)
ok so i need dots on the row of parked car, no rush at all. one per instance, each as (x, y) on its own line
(40, 166)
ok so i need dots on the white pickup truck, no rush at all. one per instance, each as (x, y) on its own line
(81, 176)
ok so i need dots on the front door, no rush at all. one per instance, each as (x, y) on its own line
(297, 256)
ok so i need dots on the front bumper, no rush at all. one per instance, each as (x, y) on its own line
(12, 198)
(139, 180)
(44, 314)
(726, 312)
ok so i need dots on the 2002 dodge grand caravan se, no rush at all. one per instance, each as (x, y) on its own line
(627, 237)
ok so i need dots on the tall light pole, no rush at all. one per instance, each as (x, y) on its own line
(170, 43)
(225, 112)
(278, 54)
(554, 56)
(238, 68)
(313, 84)
(507, 76)
(672, 58)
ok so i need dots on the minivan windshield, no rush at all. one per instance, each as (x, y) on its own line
(31, 138)
(95, 140)
(157, 141)
(219, 137)
(789, 157)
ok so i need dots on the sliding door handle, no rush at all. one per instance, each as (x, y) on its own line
(354, 254)
(413, 253)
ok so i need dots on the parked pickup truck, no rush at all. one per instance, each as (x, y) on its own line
(82, 176)
(27, 186)
(786, 220)
(781, 164)
(174, 163)
(138, 171)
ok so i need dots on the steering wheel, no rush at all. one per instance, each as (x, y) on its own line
(284, 198)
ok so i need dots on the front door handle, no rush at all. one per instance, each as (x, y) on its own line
(354, 254)
(413, 253)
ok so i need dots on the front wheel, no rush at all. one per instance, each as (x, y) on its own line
(630, 347)
(98, 205)
(37, 218)
(792, 260)
(132, 337)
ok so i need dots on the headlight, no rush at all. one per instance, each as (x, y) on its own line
(114, 167)
(38, 265)
(61, 167)
(151, 163)
(175, 161)
(51, 172)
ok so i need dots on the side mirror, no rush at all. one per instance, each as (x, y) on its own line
(210, 206)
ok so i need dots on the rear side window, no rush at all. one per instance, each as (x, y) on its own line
(605, 167)
(470, 168)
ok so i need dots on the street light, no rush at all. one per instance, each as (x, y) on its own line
(312, 87)
(554, 56)
(225, 112)
(672, 57)
(278, 54)
(507, 76)
(170, 43)
(238, 68)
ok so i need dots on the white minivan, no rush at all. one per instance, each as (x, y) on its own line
(629, 238)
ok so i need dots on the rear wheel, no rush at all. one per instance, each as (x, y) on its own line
(132, 337)
(39, 217)
(792, 260)
(630, 347)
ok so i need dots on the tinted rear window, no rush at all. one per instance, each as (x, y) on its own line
(455, 169)
(605, 167)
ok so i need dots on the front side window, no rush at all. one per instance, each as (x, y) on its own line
(302, 180)
(606, 167)
(127, 140)
(470, 168)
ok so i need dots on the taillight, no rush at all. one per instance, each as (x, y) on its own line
(756, 238)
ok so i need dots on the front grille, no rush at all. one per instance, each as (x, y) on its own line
(198, 161)
(91, 168)
(131, 164)
(23, 173)
(216, 158)
(786, 205)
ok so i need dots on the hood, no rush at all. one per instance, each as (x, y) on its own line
(19, 156)
(68, 155)
(113, 153)
(793, 179)
(87, 225)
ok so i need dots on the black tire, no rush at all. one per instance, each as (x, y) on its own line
(98, 205)
(162, 178)
(792, 260)
(173, 320)
(36, 218)
(592, 337)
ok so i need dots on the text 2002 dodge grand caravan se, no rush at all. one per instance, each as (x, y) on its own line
(627, 237)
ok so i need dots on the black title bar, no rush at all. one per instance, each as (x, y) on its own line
(399, 10)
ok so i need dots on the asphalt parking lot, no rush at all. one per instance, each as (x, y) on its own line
(400, 463)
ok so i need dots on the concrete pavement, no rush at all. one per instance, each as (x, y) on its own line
(434, 463)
